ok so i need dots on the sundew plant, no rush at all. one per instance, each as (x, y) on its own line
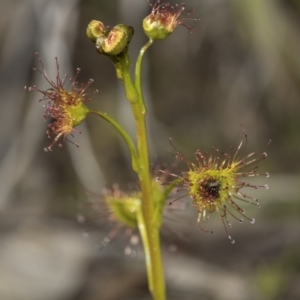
(214, 182)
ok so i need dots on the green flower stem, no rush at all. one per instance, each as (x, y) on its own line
(146, 245)
(138, 72)
(157, 218)
(130, 89)
(125, 136)
(149, 232)
(156, 279)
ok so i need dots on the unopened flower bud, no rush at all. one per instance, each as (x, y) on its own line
(115, 41)
(95, 30)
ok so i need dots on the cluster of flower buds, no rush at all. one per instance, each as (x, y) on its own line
(109, 41)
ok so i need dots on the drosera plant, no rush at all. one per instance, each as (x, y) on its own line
(214, 181)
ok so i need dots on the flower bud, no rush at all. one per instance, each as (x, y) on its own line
(115, 40)
(163, 20)
(95, 30)
(155, 30)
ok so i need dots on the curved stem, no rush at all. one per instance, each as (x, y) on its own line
(125, 136)
(138, 73)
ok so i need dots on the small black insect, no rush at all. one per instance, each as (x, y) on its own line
(212, 188)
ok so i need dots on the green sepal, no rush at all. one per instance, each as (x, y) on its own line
(77, 113)
(125, 209)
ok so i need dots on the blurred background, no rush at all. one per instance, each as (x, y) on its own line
(241, 67)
